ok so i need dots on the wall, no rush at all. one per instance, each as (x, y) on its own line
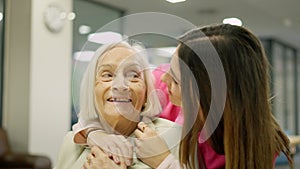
(37, 78)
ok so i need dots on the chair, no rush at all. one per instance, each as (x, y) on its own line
(11, 160)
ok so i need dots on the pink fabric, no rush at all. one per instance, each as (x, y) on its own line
(212, 160)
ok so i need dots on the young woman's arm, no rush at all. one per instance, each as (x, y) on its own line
(153, 150)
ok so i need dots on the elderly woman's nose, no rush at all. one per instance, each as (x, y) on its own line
(120, 84)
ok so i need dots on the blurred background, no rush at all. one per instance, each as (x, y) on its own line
(45, 46)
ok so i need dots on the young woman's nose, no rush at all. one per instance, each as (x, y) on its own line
(120, 84)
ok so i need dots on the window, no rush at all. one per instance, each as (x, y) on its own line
(90, 17)
(285, 74)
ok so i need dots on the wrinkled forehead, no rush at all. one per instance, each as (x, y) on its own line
(120, 57)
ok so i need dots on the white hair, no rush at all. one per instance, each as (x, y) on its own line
(87, 104)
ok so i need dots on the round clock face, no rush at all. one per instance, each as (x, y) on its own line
(54, 17)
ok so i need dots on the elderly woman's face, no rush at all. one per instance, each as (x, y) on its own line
(120, 89)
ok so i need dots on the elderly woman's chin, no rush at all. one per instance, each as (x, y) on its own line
(122, 110)
(122, 119)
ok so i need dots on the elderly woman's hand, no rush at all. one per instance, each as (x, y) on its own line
(97, 159)
(150, 148)
(115, 146)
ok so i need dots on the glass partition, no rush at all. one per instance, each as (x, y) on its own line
(284, 59)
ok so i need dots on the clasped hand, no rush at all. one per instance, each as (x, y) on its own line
(150, 149)
(117, 147)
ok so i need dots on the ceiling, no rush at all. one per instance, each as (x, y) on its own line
(266, 18)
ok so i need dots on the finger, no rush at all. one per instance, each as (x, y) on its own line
(142, 126)
(137, 143)
(115, 153)
(89, 158)
(127, 153)
(120, 158)
(111, 152)
(97, 152)
(116, 159)
(138, 133)
(87, 164)
(111, 148)
(125, 146)
(107, 151)
(128, 160)
(148, 130)
(138, 150)
(126, 149)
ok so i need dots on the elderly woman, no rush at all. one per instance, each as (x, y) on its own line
(117, 93)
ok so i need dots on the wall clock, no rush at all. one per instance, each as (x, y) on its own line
(54, 18)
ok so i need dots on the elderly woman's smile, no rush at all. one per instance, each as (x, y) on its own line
(120, 100)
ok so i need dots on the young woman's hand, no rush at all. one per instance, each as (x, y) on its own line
(150, 148)
(97, 159)
(115, 146)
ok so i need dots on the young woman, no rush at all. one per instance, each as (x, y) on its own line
(247, 134)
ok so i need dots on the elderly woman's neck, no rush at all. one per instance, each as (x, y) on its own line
(125, 129)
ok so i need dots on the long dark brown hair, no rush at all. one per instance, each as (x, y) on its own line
(247, 133)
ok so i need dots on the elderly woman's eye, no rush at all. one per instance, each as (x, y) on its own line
(106, 76)
(133, 75)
